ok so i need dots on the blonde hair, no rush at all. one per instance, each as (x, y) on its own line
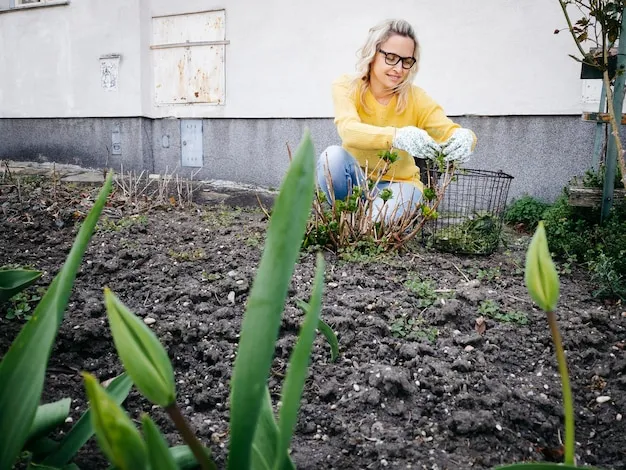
(366, 55)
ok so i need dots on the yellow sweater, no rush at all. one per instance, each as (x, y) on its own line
(363, 135)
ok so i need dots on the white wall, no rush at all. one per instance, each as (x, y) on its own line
(487, 57)
(49, 59)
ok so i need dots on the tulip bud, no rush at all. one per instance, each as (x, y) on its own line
(116, 435)
(141, 353)
(542, 280)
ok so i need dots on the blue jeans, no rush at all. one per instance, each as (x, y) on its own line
(346, 173)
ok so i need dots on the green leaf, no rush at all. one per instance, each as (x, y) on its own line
(13, 281)
(542, 280)
(266, 437)
(35, 466)
(262, 319)
(116, 434)
(23, 367)
(48, 417)
(327, 331)
(159, 455)
(330, 336)
(540, 466)
(82, 431)
(298, 367)
(40, 448)
(184, 458)
(143, 356)
(182, 455)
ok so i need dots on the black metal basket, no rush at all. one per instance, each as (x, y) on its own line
(471, 213)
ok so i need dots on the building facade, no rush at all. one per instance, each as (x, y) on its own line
(220, 88)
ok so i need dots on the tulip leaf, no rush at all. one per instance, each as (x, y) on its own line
(141, 353)
(23, 368)
(541, 466)
(40, 448)
(117, 436)
(540, 276)
(48, 417)
(330, 336)
(159, 456)
(182, 455)
(298, 367)
(82, 431)
(13, 281)
(262, 318)
(266, 437)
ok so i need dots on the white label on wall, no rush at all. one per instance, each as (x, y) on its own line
(109, 71)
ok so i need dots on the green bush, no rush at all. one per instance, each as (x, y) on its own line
(576, 233)
(526, 211)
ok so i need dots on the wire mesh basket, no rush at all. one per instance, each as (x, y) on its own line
(471, 213)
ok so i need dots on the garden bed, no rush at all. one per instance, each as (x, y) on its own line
(444, 361)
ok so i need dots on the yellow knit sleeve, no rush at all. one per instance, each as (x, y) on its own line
(353, 132)
(432, 118)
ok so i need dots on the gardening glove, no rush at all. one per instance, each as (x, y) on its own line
(459, 146)
(416, 142)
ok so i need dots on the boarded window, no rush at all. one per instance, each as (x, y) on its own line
(189, 58)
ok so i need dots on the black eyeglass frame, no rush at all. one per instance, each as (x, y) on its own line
(390, 61)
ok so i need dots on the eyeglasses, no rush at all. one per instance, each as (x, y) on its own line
(393, 59)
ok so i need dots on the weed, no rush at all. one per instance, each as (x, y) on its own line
(192, 255)
(413, 329)
(525, 213)
(488, 274)
(210, 277)
(22, 304)
(364, 251)
(611, 284)
(565, 267)
(221, 217)
(254, 240)
(107, 224)
(490, 308)
(424, 290)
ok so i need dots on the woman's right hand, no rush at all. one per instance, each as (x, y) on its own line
(416, 142)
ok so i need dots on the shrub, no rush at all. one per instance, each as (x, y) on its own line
(525, 212)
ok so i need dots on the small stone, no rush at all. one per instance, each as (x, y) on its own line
(232, 273)
(69, 419)
(603, 399)
(618, 417)
(240, 281)
(469, 348)
(231, 297)
(356, 388)
(384, 462)
(546, 386)
(461, 365)
(149, 320)
(498, 427)
(333, 284)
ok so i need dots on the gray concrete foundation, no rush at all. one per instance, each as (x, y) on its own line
(542, 152)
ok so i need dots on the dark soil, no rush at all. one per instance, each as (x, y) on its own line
(418, 383)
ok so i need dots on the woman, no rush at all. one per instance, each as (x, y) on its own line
(380, 109)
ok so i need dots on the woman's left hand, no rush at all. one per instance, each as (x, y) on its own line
(459, 146)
